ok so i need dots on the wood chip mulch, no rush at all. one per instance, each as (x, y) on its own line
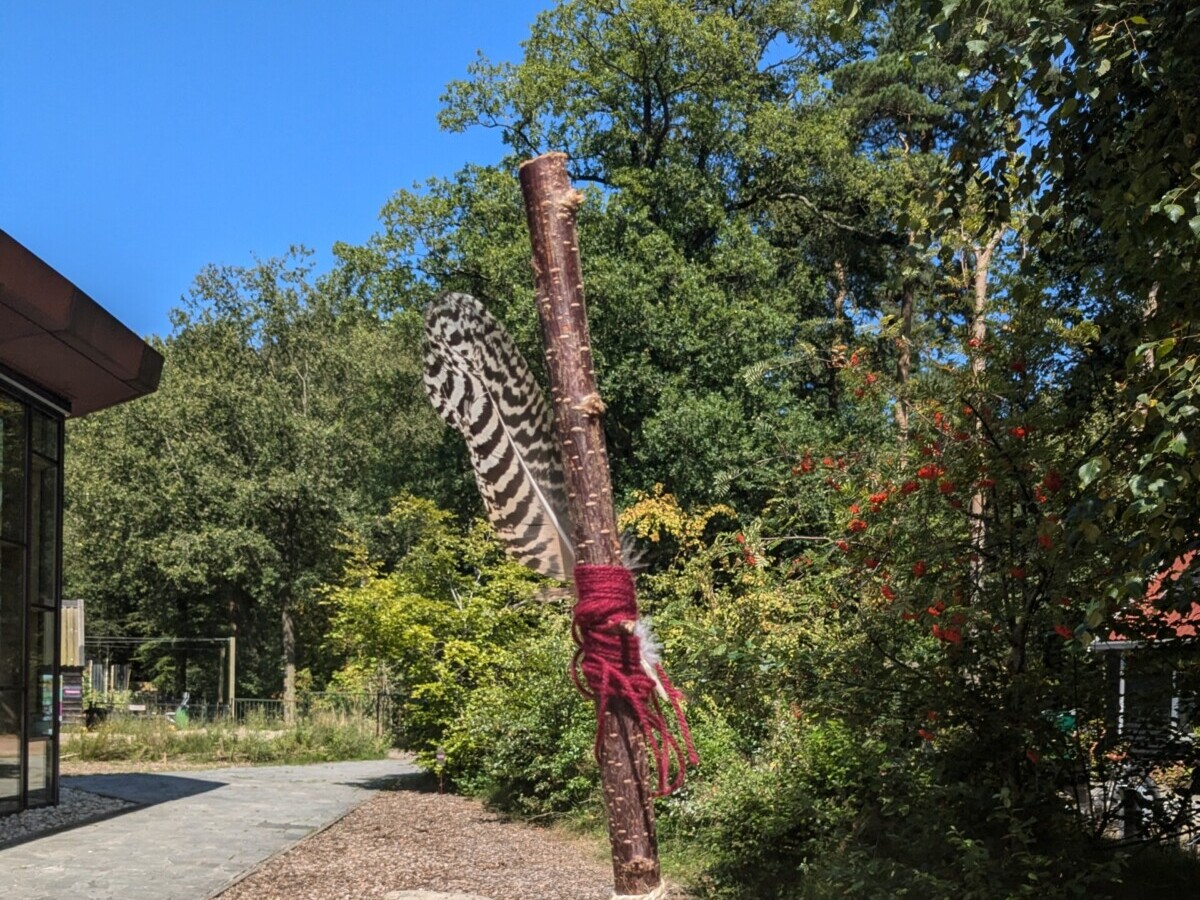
(413, 839)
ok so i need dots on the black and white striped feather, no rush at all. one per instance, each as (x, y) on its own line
(481, 385)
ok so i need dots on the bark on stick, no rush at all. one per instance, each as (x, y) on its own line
(550, 205)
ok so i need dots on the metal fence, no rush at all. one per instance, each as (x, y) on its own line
(98, 707)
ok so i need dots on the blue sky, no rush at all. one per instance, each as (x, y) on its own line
(141, 140)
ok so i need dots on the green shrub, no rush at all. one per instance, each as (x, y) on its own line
(435, 622)
(765, 821)
(525, 738)
(830, 808)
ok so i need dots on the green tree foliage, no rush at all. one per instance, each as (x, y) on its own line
(674, 339)
(425, 623)
(690, 120)
(438, 614)
(666, 102)
(912, 704)
(1109, 95)
(287, 412)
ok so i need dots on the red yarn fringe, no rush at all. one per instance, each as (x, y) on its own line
(608, 665)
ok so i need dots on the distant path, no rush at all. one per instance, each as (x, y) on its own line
(194, 833)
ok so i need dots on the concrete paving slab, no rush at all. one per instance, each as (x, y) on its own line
(193, 833)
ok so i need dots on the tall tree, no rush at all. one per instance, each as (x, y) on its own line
(701, 129)
(1108, 95)
(215, 507)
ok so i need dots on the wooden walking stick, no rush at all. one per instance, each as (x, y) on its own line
(548, 493)
(550, 206)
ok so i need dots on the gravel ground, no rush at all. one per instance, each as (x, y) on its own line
(74, 808)
(406, 840)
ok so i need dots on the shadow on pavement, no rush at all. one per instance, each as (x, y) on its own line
(419, 782)
(140, 788)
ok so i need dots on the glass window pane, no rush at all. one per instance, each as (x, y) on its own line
(45, 532)
(10, 751)
(45, 435)
(41, 673)
(40, 761)
(12, 469)
(12, 618)
(42, 707)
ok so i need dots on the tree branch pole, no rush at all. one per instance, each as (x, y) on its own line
(550, 205)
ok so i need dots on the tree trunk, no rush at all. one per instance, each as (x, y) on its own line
(1148, 310)
(840, 332)
(231, 602)
(904, 359)
(550, 205)
(289, 664)
(977, 524)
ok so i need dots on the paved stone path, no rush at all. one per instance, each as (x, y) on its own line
(194, 833)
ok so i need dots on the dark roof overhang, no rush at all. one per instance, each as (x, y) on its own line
(63, 342)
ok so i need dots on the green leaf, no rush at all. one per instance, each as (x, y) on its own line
(1105, 65)
(977, 47)
(1139, 485)
(1091, 470)
(1174, 211)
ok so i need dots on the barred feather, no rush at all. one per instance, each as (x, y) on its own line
(481, 385)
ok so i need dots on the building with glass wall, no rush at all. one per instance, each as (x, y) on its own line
(61, 355)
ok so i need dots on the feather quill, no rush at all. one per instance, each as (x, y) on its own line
(480, 384)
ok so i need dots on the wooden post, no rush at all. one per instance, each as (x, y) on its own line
(233, 679)
(550, 205)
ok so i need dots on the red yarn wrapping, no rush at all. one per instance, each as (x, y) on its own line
(608, 665)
